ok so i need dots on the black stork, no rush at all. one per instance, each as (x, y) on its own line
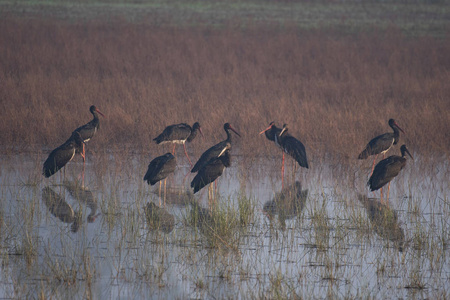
(159, 168)
(293, 147)
(289, 145)
(179, 134)
(215, 150)
(271, 132)
(60, 156)
(88, 130)
(382, 143)
(212, 170)
(387, 169)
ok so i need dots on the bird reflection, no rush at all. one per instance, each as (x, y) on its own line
(201, 217)
(287, 204)
(58, 206)
(159, 218)
(384, 221)
(85, 196)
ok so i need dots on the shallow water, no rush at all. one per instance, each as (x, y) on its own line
(338, 244)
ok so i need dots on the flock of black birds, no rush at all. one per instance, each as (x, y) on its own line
(213, 161)
(209, 166)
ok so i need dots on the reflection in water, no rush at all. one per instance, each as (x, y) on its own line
(177, 196)
(287, 204)
(384, 220)
(85, 196)
(159, 218)
(200, 216)
(60, 208)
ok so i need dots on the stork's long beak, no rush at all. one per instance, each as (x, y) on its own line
(281, 133)
(100, 112)
(270, 126)
(201, 132)
(407, 151)
(234, 130)
(399, 127)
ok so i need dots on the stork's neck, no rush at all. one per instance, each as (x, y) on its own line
(192, 135)
(396, 134)
(95, 114)
(228, 135)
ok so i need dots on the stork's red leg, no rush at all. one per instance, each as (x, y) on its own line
(173, 151)
(387, 197)
(373, 165)
(165, 191)
(282, 173)
(185, 152)
(160, 193)
(83, 155)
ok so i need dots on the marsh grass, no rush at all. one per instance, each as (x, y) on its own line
(246, 208)
(335, 92)
(218, 224)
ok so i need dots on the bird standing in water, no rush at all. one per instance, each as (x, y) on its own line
(382, 143)
(386, 170)
(288, 144)
(60, 156)
(212, 170)
(159, 168)
(179, 134)
(215, 150)
(88, 130)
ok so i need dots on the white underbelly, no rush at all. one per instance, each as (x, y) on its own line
(174, 142)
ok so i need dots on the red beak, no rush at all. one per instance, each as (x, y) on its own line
(100, 113)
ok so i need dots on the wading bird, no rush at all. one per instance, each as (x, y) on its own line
(179, 134)
(159, 168)
(88, 130)
(382, 143)
(293, 147)
(212, 170)
(386, 170)
(271, 132)
(215, 150)
(60, 156)
(288, 144)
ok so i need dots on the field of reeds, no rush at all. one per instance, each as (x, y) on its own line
(334, 90)
(334, 72)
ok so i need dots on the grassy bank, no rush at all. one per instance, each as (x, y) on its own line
(335, 91)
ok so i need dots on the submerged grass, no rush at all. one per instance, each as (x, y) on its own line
(327, 241)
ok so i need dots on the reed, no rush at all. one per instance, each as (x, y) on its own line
(335, 91)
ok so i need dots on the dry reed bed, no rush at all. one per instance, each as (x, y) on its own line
(335, 91)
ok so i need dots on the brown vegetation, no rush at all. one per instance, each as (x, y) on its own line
(336, 92)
